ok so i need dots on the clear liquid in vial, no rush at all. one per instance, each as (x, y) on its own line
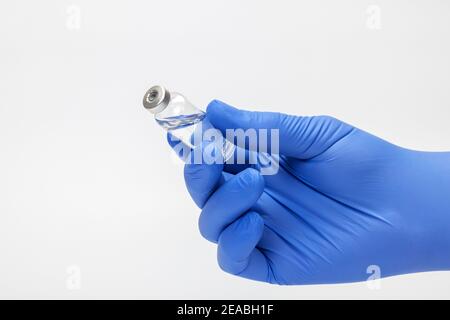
(182, 121)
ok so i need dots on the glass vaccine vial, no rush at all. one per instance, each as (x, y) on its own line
(180, 118)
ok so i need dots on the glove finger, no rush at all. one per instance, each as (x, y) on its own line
(300, 137)
(201, 178)
(237, 253)
(229, 201)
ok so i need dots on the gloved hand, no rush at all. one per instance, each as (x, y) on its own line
(342, 200)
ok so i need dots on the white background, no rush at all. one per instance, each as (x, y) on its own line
(87, 182)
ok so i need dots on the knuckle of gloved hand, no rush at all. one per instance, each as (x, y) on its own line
(325, 119)
(221, 263)
(248, 179)
(207, 231)
(226, 268)
(227, 265)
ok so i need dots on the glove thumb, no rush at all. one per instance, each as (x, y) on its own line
(299, 137)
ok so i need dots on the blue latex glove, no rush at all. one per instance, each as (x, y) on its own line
(343, 200)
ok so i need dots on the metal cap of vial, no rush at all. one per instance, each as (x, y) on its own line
(156, 99)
